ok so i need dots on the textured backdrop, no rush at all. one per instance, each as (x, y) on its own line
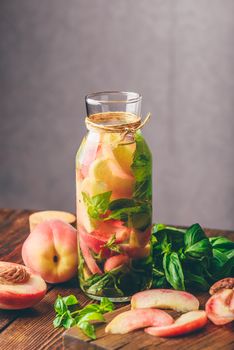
(178, 53)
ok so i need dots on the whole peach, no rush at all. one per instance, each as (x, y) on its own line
(51, 251)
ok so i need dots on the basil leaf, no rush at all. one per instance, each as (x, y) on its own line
(197, 245)
(196, 281)
(173, 270)
(70, 300)
(121, 203)
(92, 316)
(193, 235)
(57, 321)
(97, 205)
(106, 305)
(87, 328)
(68, 322)
(60, 306)
(142, 169)
(199, 250)
(223, 244)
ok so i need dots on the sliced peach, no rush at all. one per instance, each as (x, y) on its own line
(109, 171)
(20, 287)
(107, 229)
(96, 244)
(115, 261)
(89, 259)
(140, 238)
(165, 299)
(135, 252)
(186, 323)
(135, 319)
(219, 307)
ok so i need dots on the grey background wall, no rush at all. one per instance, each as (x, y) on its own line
(178, 53)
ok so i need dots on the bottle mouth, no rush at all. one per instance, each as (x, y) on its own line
(113, 121)
(112, 97)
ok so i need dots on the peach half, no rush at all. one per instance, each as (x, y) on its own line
(135, 319)
(20, 287)
(220, 307)
(165, 299)
(186, 323)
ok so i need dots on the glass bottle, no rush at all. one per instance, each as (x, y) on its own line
(114, 198)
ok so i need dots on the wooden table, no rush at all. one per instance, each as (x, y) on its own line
(32, 329)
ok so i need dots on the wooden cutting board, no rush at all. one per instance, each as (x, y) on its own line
(211, 337)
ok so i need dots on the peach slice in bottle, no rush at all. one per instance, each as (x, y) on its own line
(135, 319)
(115, 262)
(20, 287)
(186, 323)
(219, 307)
(109, 171)
(90, 261)
(165, 299)
(95, 243)
(135, 252)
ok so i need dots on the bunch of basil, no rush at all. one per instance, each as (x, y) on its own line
(188, 259)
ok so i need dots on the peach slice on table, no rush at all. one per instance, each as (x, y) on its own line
(90, 261)
(220, 307)
(115, 261)
(165, 299)
(20, 287)
(135, 319)
(186, 323)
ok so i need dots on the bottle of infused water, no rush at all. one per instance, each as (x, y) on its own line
(114, 198)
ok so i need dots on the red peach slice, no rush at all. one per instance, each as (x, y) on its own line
(106, 229)
(219, 307)
(115, 261)
(165, 299)
(135, 319)
(90, 261)
(20, 295)
(187, 323)
(94, 243)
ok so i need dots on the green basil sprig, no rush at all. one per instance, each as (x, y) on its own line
(67, 316)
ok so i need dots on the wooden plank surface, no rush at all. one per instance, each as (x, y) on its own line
(32, 329)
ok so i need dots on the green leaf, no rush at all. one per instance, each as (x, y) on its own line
(121, 203)
(112, 245)
(142, 169)
(92, 316)
(87, 328)
(60, 306)
(106, 305)
(173, 270)
(223, 244)
(97, 205)
(57, 321)
(68, 322)
(70, 300)
(196, 281)
(193, 235)
(199, 250)
(197, 245)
